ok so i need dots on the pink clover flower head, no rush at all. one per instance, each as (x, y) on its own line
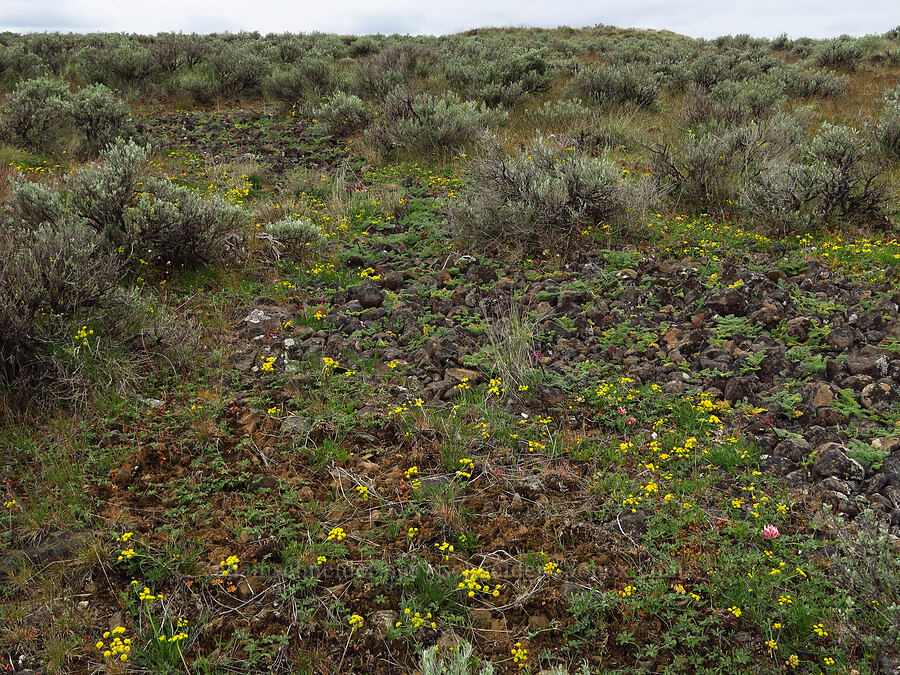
(622, 410)
(770, 532)
(630, 421)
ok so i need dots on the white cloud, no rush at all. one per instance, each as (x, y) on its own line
(699, 18)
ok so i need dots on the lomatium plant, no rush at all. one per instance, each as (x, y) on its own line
(475, 581)
(113, 646)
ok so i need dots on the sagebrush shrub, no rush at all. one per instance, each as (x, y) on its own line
(866, 565)
(150, 218)
(308, 78)
(103, 192)
(17, 64)
(781, 196)
(286, 85)
(54, 49)
(709, 68)
(100, 117)
(616, 85)
(238, 70)
(831, 180)
(344, 114)
(33, 204)
(197, 85)
(426, 122)
(295, 237)
(850, 186)
(704, 170)
(393, 66)
(176, 226)
(166, 51)
(364, 45)
(888, 130)
(839, 52)
(59, 274)
(48, 275)
(37, 113)
(561, 112)
(497, 76)
(800, 82)
(122, 64)
(696, 169)
(546, 193)
(736, 101)
(55, 282)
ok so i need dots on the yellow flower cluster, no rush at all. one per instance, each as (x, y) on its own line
(519, 654)
(180, 635)
(535, 445)
(355, 621)
(118, 647)
(337, 534)
(82, 335)
(412, 476)
(230, 564)
(146, 595)
(415, 620)
(445, 548)
(465, 470)
(494, 387)
(369, 273)
(472, 582)
(268, 363)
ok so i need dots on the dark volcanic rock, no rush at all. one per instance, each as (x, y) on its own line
(369, 295)
(879, 397)
(794, 449)
(732, 301)
(840, 338)
(832, 460)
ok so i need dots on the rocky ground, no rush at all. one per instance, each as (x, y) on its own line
(812, 356)
(564, 458)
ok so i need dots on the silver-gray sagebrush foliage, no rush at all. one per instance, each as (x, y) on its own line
(175, 226)
(427, 122)
(37, 113)
(616, 85)
(543, 194)
(831, 180)
(888, 130)
(344, 114)
(293, 236)
(100, 118)
(150, 218)
(49, 275)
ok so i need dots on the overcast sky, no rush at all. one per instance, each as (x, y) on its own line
(698, 18)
